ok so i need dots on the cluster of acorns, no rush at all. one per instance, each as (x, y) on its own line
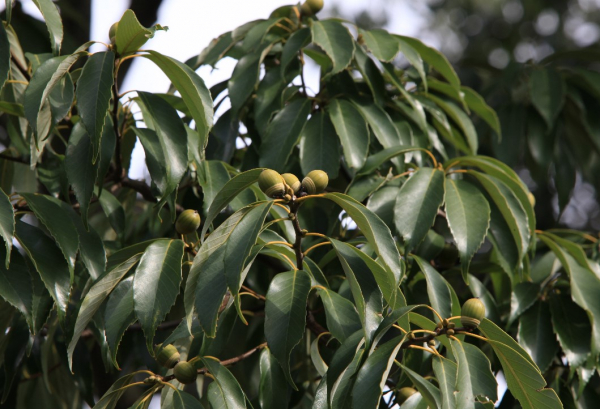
(184, 371)
(287, 186)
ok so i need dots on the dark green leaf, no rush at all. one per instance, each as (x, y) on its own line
(483, 381)
(468, 215)
(445, 373)
(417, 205)
(336, 41)
(492, 331)
(352, 130)
(212, 176)
(156, 284)
(535, 335)
(53, 22)
(438, 289)
(430, 393)
(225, 391)
(4, 55)
(342, 318)
(244, 80)
(285, 315)
(183, 400)
(16, 286)
(94, 92)
(114, 211)
(374, 161)
(319, 148)
(477, 104)
(131, 35)
(7, 224)
(371, 75)
(523, 296)
(283, 133)
(462, 120)
(571, 324)
(382, 44)
(547, 93)
(81, 171)
(298, 40)
(273, 389)
(414, 58)
(118, 315)
(381, 124)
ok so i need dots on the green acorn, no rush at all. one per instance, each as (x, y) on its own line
(404, 393)
(167, 356)
(311, 7)
(315, 182)
(188, 222)
(473, 311)
(292, 181)
(271, 183)
(185, 372)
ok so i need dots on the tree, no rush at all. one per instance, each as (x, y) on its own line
(225, 284)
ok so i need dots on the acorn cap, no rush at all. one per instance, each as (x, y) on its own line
(315, 182)
(271, 183)
(473, 311)
(188, 221)
(292, 181)
(167, 356)
(185, 372)
(404, 393)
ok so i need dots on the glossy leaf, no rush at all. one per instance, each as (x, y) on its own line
(445, 373)
(53, 23)
(417, 205)
(477, 104)
(130, 34)
(16, 286)
(380, 122)
(492, 331)
(572, 326)
(430, 393)
(319, 148)
(81, 171)
(285, 315)
(183, 400)
(273, 389)
(437, 288)
(536, 336)
(382, 44)
(464, 394)
(342, 318)
(7, 225)
(352, 130)
(292, 47)
(94, 298)
(468, 215)
(483, 381)
(4, 56)
(336, 41)
(119, 315)
(244, 80)
(523, 296)
(547, 93)
(376, 160)
(224, 392)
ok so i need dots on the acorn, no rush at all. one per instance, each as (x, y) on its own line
(185, 372)
(287, 198)
(431, 343)
(311, 7)
(451, 325)
(473, 311)
(292, 181)
(404, 393)
(112, 33)
(167, 356)
(271, 183)
(188, 222)
(449, 332)
(315, 182)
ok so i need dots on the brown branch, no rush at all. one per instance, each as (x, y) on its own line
(14, 158)
(139, 186)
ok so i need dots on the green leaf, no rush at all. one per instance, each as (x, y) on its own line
(225, 391)
(468, 215)
(342, 318)
(371, 377)
(81, 171)
(523, 296)
(12, 109)
(352, 130)
(238, 247)
(244, 80)
(376, 232)
(430, 393)
(462, 120)
(535, 335)
(366, 278)
(7, 224)
(232, 188)
(548, 93)
(434, 58)
(336, 41)
(492, 331)
(382, 44)
(114, 211)
(114, 393)
(16, 286)
(94, 298)
(283, 133)
(118, 315)
(48, 210)
(156, 161)
(156, 284)
(437, 288)
(212, 176)
(483, 381)
(285, 315)
(376, 160)
(53, 23)
(571, 324)
(131, 35)
(371, 75)
(4, 55)
(524, 379)
(445, 373)
(193, 91)
(417, 205)
(183, 400)
(414, 58)
(298, 40)
(94, 92)
(273, 389)
(381, 124)
(477, 104)
(464, 395)
(319, 148)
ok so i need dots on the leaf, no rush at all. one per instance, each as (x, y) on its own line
(437, 288)
(464, 396)
(113, 210)
(523, 296)
(298, 40)
(336, 41)
(342, 318)
(212, 176)
(4, 55)
(53, 23)
(16, 286)
(430, 393)
(7, 224)
(434, 58)
(380, 122)
(352, 130)
(376, 232)
(225, 391)
(468, 215)
(48, 210)
(183, 400)
(131, 35)
(548, 91)
(376, 160)
(483, 381)
(445, 373)
(232, 188)
(119, 315)
(285, 315)
(94, 298)
(417, 205)
(94, 92)
(193, 91)
(492, 331)
(156, 284)
(414, 58)
(462, 120)
(244, 80)
(477, 104)
(371, 75)
(238, 247)
(283, 133)
(273, 389)
(570, 323)
(382, 44)
(372, 375)
(535, 335)
(524, 379)
(319, 148)
(156, 161)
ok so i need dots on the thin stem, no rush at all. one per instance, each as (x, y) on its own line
(316, 235)
(473, 335)
(285, 243)
(282, 206)
(400, 328)
(289, 261)
(315, 246)
(301, 199)
(421, 348)
(435, 312)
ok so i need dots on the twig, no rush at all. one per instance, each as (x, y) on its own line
(14, 158)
